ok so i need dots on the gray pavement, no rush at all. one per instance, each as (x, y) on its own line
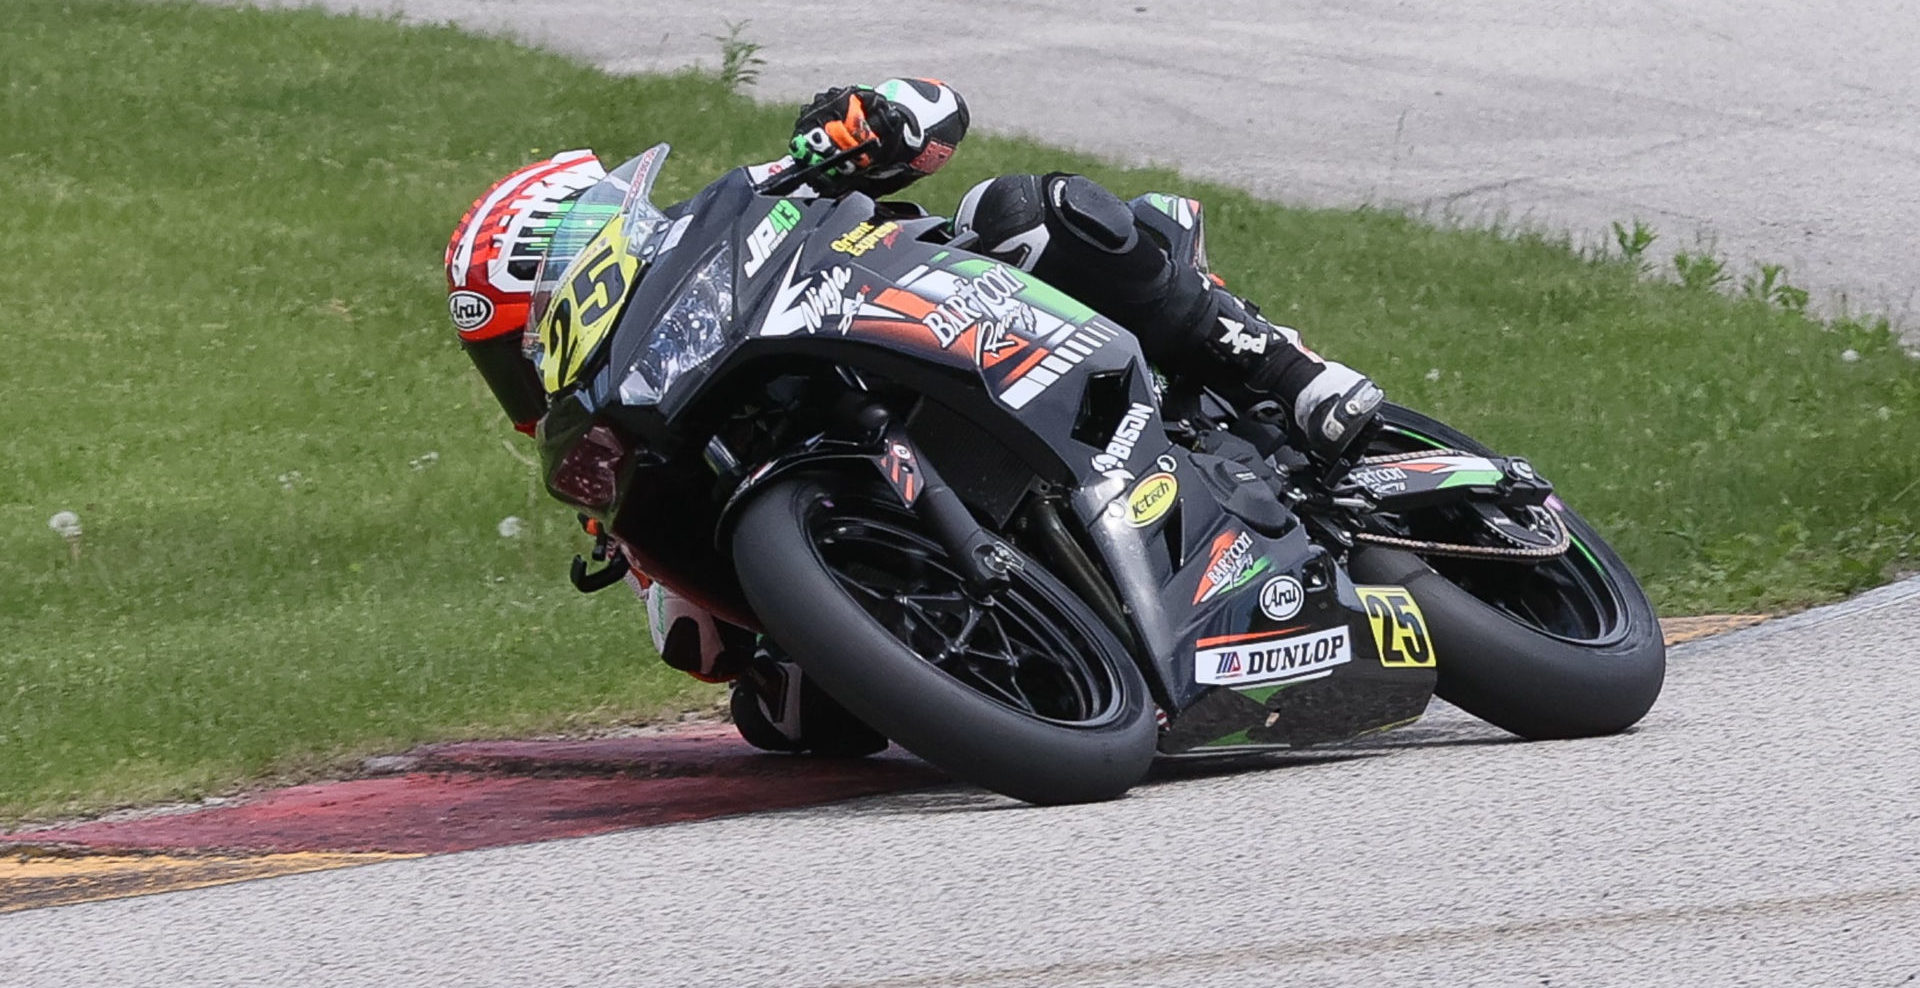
(1785, 130)
(1759, 828)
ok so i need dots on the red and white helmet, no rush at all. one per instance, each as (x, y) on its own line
(496, 248)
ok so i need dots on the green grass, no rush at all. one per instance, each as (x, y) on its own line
(225, 230)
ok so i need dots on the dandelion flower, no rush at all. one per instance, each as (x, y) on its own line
(66, 524)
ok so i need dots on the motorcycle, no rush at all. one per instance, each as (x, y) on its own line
(967, 507)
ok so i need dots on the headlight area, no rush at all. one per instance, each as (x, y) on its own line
(694, 328)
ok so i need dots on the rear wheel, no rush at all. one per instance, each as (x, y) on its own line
(1024, 692)
(1567, 647)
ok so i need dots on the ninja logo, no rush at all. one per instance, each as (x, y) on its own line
(977, 299)
(1120, 448)
(828, 297)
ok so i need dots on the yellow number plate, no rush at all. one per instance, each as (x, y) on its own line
(585, 304)
(1399, 629)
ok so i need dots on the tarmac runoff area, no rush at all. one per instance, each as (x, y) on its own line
(1756, 829)
(439, 799)
(1776, 130)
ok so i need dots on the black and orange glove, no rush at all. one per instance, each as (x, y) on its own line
(913, 126)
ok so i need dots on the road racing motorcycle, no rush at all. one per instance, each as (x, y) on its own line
(968, 508)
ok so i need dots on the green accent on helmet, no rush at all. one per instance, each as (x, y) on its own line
(1582, 546)
(1429, 440)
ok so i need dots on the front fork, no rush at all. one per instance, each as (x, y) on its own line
(984, 561)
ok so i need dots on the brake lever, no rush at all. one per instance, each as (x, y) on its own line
(786, 182)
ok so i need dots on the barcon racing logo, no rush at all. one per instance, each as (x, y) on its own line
(989, 295)
(1230, 566)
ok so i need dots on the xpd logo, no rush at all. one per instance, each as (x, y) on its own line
(470, 310)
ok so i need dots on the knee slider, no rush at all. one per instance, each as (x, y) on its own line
(1086, 209)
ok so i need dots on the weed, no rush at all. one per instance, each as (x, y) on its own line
(1634, 241)
(1700, 270)
(1770, 285)
(740, 59)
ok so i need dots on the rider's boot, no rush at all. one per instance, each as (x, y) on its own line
(774, 705)
(777, 708)
(691, 639)
(1333, 406)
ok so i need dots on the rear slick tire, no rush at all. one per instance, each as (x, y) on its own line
(891, 687)
(1518, 679)
(1509, 673)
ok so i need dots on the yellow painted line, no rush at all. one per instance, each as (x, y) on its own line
(35, 881)
(1686, 629)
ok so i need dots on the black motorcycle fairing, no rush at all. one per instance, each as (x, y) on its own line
(1013, 390)
(1193, 581)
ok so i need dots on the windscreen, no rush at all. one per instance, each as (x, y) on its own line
(625, 191)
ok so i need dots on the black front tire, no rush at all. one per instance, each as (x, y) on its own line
(1515, 674)
(888, 685)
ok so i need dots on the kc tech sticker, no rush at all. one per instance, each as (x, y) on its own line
(1151, 499)
(1400, 633)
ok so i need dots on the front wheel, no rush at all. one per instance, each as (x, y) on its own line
(1564, 648)
(1024, 692)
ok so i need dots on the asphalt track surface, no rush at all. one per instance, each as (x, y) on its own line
(1782, 130)
(1757, 829)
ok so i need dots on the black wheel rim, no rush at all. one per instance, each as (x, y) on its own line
(1017, 648)
(1568, 598)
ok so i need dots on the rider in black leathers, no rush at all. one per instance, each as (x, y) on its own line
(1069, 231)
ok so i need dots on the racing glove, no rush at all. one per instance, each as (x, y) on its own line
(913, 126)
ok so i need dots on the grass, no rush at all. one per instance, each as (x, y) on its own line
(230, 357)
